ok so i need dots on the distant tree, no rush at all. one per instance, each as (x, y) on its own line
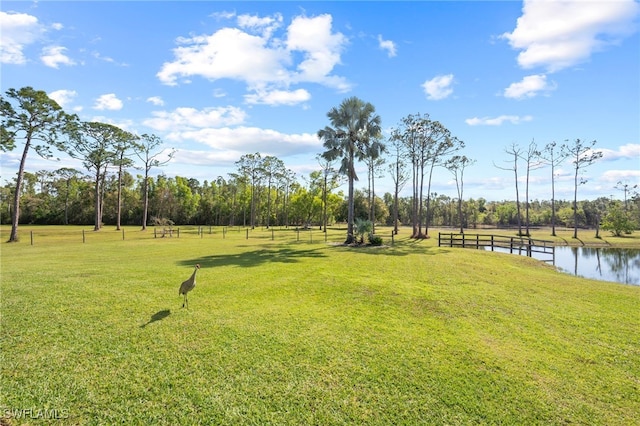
(330, 181)
(354, 125)
(124, 145)
(144, 150)
(456, 165)
(32, 116)
(627, 189)
(272, 167)
(618, 221)
(67, 175)
(250, 165)
(374, 163)
(286, 181)
(553, 158)
(582, 156)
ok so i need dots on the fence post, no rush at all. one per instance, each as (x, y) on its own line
(463, 241)
(511, 246)
(31, 237)
(83, 239)
(178, 232)
(224, 233)
(492, 243)
(247, 233)
(392, 240)
(123, 235)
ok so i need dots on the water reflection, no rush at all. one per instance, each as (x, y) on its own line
(609, 264)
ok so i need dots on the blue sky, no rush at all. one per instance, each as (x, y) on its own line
(216, 80)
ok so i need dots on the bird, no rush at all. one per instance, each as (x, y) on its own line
(188, 285)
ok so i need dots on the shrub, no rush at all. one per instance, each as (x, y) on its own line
(375, 240)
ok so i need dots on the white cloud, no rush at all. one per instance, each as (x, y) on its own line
(108, 102)
(264, 26)
(278, 97)
(156, 100)
(57, 26)
(529, 87)
(438, 87)
(559, 34)
(190, 118)
(63, 97)
(53, 56)
(18, 31)
(321, 48)
(628, 151)
(228, 53)
(241, 140)
(387, 45)
(497, 121)
(632, 177)
(252, 54)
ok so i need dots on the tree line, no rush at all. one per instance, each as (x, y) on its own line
(264, 192)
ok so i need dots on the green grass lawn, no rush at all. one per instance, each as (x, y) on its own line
(285, 328)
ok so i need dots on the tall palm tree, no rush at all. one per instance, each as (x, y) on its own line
(354, 125)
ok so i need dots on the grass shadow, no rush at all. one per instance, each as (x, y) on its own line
(256, 257)
(158, 316)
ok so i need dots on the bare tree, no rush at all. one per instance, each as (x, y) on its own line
(530, 156)
(398, 173)
(456, 166)
(627, 189)
(550, 156)
(144, 151)
(516, 152)
(582, 156)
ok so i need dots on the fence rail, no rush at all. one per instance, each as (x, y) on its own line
(514, 245)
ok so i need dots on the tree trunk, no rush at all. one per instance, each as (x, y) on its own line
(119, 206)
(15, 213)
(350, 213)
(145, 208)
(96, 226)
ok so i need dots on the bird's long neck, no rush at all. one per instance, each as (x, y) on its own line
(193, 276)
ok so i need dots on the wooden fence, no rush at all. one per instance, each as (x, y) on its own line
(515, 245)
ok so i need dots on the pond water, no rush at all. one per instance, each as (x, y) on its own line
(608, 264)
(620, 265)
